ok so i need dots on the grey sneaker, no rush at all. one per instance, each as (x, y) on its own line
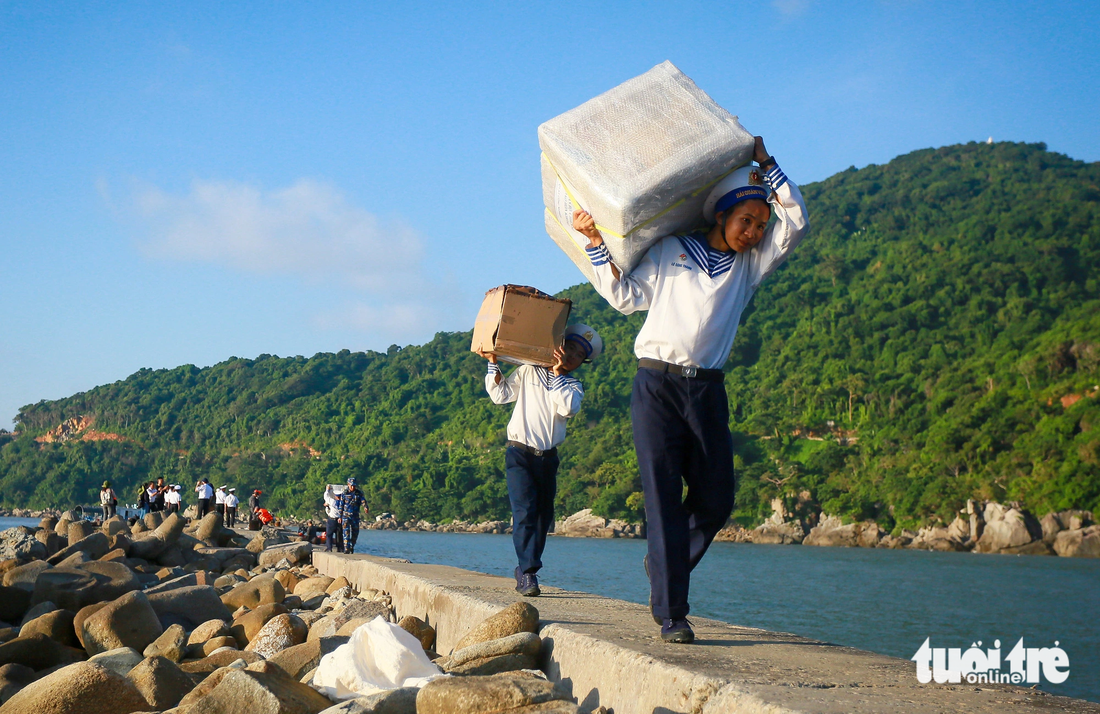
(527, 584)
(678, 631)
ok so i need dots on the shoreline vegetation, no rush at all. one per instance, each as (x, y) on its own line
(934, 343)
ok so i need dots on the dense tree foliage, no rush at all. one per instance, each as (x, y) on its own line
(936, 338)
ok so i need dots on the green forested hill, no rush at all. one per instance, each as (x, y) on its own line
(937, 337)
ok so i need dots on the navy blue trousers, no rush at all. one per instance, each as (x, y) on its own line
(681, 436)
(532, 483)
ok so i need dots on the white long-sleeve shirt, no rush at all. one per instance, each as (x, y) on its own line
(332, 504)
(231, 500)
(219, 497)
(543, 400)
(694, 294)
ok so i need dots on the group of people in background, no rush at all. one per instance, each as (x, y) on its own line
(163, 497)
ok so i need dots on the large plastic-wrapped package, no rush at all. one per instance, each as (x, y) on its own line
(641, 158)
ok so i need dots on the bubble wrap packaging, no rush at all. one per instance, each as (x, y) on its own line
(641, 158)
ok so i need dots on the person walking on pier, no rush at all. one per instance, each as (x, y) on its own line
(695, 287)
(349, 502)
(545, 398)
(333, 531)
(231, 502)
(107, 500)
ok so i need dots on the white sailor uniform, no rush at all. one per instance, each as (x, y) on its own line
(543, 403)
(695, 296)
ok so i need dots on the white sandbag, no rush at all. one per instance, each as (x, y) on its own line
(641, 158)
(379, 656)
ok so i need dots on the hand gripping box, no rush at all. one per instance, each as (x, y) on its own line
(520, 325)
(641, 158)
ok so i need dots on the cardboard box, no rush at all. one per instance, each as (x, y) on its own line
(520, 325)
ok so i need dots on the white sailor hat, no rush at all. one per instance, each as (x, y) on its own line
(743, 184)
(588, 338)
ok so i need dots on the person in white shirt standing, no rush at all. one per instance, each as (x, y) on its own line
(219, 501)
(695, 287)
(231, 502)
(545, 398)
(333, 530)
(205, 492)
(172, 499)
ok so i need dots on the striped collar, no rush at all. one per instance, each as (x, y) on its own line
(712, 262)
(553, 381)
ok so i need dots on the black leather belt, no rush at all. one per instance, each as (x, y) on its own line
(532, 450)
(710, 375)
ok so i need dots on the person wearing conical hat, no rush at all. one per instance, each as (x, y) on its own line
(695, 287)
(545, 397)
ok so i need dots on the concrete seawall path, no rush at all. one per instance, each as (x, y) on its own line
(609, 653)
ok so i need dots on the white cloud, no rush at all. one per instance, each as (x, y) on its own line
(308, 230)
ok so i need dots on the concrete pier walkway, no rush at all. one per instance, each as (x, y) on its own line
(609, 652)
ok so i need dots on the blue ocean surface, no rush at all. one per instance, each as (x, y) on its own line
(886, 601)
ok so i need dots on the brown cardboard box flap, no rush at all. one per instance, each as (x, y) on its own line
(521, 325)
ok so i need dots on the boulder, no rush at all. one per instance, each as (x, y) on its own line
(355, 611)
(776, 531)
(288, 580)
(83, 614)
(79, 530)
(77, 558)
(81, 688)
(486, 694)
(37, 652)
(213, 645)
(517, 617)
(263, 541)
(257, 591)
(50, 540)
(248, 625)
(191, 606)
(129, 621)
(68, 588)
(279, 633)
(419, 629)
(14, 603)
(57, 625)
(265, 693)
(207, 631)
(38, 611)
(309, 587)
(219, 659)
(14, 677)
(937, 538)
(163, 537)
(113, 526)
(1051, 525)
(20, 542)
(299, 659)
(94, 546)
(161, 682)
(394, 701)
(120, 660)
(582, 524)
(1078, 543)
(23, 576)
(188, 580)
(519, 651)
(1006, 528)
(831, 531)
(295, 553)
(172, 644)
(113, 579)
(337, 584)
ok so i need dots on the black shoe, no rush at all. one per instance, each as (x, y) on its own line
(645, 564)
(678, 631)
(527, 584)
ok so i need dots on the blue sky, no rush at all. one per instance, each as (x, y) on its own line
(185, 182)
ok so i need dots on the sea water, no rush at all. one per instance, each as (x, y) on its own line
(886, 601)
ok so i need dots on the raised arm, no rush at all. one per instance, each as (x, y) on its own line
(791, 224)
(625, 293)
(501, 390)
